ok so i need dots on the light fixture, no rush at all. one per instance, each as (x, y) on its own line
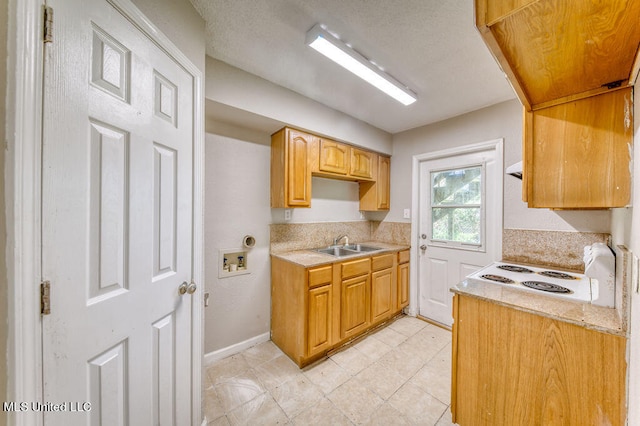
(334, 49)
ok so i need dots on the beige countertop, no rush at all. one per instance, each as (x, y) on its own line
(309, 258)
(595, 317)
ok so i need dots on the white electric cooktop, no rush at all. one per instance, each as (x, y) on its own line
(543, 281)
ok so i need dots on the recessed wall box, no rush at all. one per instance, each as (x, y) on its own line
(233, 262)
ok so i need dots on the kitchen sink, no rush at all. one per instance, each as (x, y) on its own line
(335, 251)
(361, 248)
(351, 249)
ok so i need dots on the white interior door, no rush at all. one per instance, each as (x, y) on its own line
(116, 223)
(460, 224)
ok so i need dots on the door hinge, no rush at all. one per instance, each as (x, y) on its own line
(48, 25)
(45, 298)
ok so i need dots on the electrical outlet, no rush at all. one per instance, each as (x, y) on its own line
(287, 214)
(407, 213)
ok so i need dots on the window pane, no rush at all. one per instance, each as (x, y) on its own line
(460, 224)
(461, 186)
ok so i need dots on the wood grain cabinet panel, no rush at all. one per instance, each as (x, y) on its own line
(354, 305)
(375, 196)
(290, 169)
(319, 320)
(334, 157)
(362, 163)
(403, 285)
(578, 154)
(382, 295)
(516, 368)
(554, 51)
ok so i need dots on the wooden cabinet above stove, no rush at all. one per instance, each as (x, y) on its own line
(554, 51)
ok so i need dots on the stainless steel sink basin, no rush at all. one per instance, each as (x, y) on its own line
(351, 249)
(361, 248)
(335, 251)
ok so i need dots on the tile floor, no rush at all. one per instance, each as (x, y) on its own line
(400, 375)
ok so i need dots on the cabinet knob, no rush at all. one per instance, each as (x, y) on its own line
(423, 247)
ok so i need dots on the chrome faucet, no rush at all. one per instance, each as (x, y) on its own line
(346, 240)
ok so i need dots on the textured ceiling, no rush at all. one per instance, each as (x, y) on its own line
(431, 46)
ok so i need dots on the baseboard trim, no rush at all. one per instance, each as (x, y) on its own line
(235, 348)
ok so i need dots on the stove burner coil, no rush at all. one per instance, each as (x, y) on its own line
(498, 278)
(559, 275)
(542, 286)
(513, 268)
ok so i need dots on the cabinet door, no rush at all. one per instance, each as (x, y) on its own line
(362, 163)
(577, 154)
(565, 366)
(403, 285)
(298, 172)
(381, 295)
(383, 182)
(354, 306)
(334, 157)
(374, 196)
(319, 320)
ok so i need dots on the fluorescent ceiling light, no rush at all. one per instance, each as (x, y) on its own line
(322, 41)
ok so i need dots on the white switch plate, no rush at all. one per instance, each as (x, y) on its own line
(635, 280)
(407, 213)
(287, 214)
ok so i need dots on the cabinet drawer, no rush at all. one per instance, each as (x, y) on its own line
(356, 267)
(403, 256)
(381, 262)
(320, 276)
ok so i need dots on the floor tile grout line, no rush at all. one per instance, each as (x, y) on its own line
(325, 395)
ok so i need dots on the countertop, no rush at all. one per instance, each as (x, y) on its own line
(607, 320)
(309, 258)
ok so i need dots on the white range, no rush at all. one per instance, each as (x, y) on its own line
(568, 285)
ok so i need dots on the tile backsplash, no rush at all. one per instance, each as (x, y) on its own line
(298, 236)
(559, 249)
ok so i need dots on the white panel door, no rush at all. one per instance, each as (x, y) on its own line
(460, 225)
(117, 223)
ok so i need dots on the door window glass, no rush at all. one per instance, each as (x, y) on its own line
(456, 205)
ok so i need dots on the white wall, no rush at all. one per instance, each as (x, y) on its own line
(239, 89)
(503, 120)
(237, 204)
(179, 21)
(331, 201)
(625, 229)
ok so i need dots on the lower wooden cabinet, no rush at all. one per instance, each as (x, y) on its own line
(354, 306)
(314, 310)
(383, 288)
(403, 279)
(511, 367)
(319, 320)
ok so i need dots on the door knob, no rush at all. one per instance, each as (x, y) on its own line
(423, 247)
(192, 288)
(182, 289)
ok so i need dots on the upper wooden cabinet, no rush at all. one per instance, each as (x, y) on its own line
(375, 196)
(297, 155)
(290, 169)
(554, 51)
(334, 157)
(362, 163)
(577, 154)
